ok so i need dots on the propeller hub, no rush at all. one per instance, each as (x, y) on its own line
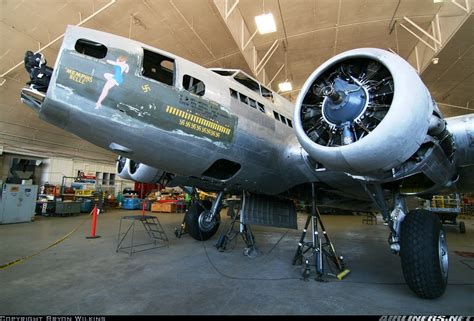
(345, 102)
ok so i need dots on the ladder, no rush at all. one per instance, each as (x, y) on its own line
(153, 229)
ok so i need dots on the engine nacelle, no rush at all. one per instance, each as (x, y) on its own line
(142, 173)
(123, 165)
(363, 111)
(136, 171)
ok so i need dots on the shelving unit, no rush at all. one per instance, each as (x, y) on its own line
(105, 182)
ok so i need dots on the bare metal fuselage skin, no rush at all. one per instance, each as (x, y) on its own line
(157, 124)
(170, 128)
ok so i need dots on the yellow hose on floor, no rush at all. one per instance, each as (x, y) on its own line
(4, 266)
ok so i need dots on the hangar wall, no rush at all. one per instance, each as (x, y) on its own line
(51, 170)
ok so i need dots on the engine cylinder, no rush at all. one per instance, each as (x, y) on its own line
(380, 117)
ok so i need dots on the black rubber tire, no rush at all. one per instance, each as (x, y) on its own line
(462, 228)
(192, 221)
(419, 253)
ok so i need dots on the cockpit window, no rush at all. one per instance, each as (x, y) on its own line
(158, 67)
(247, 82)
(267, 93)
(224, 72)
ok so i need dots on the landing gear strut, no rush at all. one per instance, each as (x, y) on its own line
(202, 219)
(231, 233)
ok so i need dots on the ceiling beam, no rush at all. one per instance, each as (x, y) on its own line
(81, 22)
(244, 38)
(442, 28)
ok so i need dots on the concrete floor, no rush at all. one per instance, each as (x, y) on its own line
(80, 276)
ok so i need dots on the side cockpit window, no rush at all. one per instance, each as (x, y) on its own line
(158, 67)
(267, 94)
(194, 85)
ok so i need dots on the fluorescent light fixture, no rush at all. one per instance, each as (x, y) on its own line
(265, 23)
(438, 1)
(285, 86)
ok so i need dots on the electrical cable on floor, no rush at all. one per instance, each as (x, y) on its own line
(466, 264)
(235, 277)
(284, 234)
(299, 278)
(5, 266)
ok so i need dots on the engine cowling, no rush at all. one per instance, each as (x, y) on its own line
(142, 173)
(136, 171)
(123, 165)
(363, 111)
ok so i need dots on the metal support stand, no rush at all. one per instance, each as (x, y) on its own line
(244, 230)
(153, 229)
(247, 235)
(181, 230)
(317, 249)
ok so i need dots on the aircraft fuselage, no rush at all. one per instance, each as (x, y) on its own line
(150, 113)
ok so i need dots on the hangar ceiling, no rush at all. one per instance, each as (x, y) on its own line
(308, 33)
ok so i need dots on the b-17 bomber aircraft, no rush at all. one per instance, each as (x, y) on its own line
(364, 133)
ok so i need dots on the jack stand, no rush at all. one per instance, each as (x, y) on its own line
(224, 239)
(251, 250)
(319, 250)
(246, 233)
(182, 228)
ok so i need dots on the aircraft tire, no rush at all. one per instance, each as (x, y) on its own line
(192, 222)
(424, 254)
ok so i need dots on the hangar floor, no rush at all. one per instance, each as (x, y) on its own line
(81, 276)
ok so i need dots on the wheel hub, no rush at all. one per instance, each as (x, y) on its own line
(443, 254)
(206, 222)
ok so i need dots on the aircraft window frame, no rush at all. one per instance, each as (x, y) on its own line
(247, 82)
(234, 93)
(154, 67)
(289, 122)
(252, 102)
(267, 93)
(91, 48)
(276, 115)
(193, 85)
(255, 104)
(224, 73)
(283, 119)
(244, 99)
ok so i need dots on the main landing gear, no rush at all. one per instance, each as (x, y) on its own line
(418, 237)
(202, 219)
(244, 230)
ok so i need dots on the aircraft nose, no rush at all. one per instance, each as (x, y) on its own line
(33, 98)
